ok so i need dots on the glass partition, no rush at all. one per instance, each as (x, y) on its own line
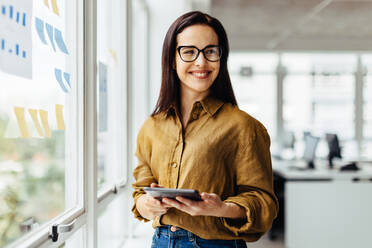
(253, 76)
(367, 109)
(39, 117)
(111, 91)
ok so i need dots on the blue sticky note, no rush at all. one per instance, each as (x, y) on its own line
(58, 74)
(3, 10)
(17, 18)
(2, 44)
(11, 12)
(49, 30)
(67, 78)
(24, 19)
(40, 29)
(59, 40)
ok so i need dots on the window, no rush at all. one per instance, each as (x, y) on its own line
(112, 117)
(319, 93)
(40, 71)
(253, 76)
(367, 111)
(318, 96)
(111, 221)
(111, 94)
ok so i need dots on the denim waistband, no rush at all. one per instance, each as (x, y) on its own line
(165, 230)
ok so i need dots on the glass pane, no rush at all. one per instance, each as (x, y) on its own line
(253, 78)
(112, 224)
(319, 94)
(110, 92)
(367, 111)
(38, 113)
(367, 94)
(76, 239)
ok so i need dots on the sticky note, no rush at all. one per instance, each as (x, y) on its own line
(67, 78)
(113, 54)
(55, 7)
(24, 19)
(49, 30)
(59, 40)
(33, 114)
(59, 116)
(20, 114)
(58, 74)
(46, 2)
(44, 121)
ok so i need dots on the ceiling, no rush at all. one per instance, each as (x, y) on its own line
(281, 25)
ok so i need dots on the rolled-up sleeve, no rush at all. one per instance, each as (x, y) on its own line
(254, 181)
(142, 173)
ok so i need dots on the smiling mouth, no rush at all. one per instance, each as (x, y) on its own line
(201, 75)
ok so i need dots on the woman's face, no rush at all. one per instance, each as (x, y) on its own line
(199, 75)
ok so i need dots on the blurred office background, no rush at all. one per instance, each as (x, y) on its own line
(78, 79)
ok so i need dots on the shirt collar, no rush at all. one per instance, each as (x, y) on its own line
(210, 104)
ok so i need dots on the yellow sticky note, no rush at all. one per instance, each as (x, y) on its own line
(20, 114)
(46, 2)
(113, 54)
(59, 116)
(55, 7)
(44, 121)
(33, 113)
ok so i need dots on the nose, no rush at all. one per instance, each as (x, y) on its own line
(200, 60)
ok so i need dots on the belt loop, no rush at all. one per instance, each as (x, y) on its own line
(191, 236)
(157, 232)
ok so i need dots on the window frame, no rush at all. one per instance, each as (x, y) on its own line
(40, 237)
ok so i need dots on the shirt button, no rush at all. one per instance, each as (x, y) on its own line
(174, 165)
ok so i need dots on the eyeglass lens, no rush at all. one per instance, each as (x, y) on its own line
(189, 54)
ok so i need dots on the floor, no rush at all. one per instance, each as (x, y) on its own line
(143, 234)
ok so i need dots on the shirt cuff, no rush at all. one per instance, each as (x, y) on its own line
(240, 225)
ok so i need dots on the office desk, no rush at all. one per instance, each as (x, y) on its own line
(326, 208)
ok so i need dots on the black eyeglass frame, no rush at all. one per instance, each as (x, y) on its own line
(200, 50)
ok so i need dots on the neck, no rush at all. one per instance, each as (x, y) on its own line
(189, 97)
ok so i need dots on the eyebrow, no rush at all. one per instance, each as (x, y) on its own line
(210, 45)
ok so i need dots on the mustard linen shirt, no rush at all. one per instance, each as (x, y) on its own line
(223, 150)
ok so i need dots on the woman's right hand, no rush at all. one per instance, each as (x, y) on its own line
(149, 207)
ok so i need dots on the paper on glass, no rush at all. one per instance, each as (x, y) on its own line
(15, 37)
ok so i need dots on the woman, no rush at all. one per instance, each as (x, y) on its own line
(197, 138)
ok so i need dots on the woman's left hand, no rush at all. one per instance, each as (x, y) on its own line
(211, 205)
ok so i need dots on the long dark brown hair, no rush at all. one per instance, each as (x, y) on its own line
(170, 84)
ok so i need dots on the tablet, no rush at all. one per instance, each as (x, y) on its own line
(156, 192)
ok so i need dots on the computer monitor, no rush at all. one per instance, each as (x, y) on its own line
(288, 139)
(334, 148)
(311, 143)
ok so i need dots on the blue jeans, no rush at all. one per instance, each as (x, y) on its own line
(165, 238)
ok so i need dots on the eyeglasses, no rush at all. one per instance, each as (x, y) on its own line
(211, 53)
